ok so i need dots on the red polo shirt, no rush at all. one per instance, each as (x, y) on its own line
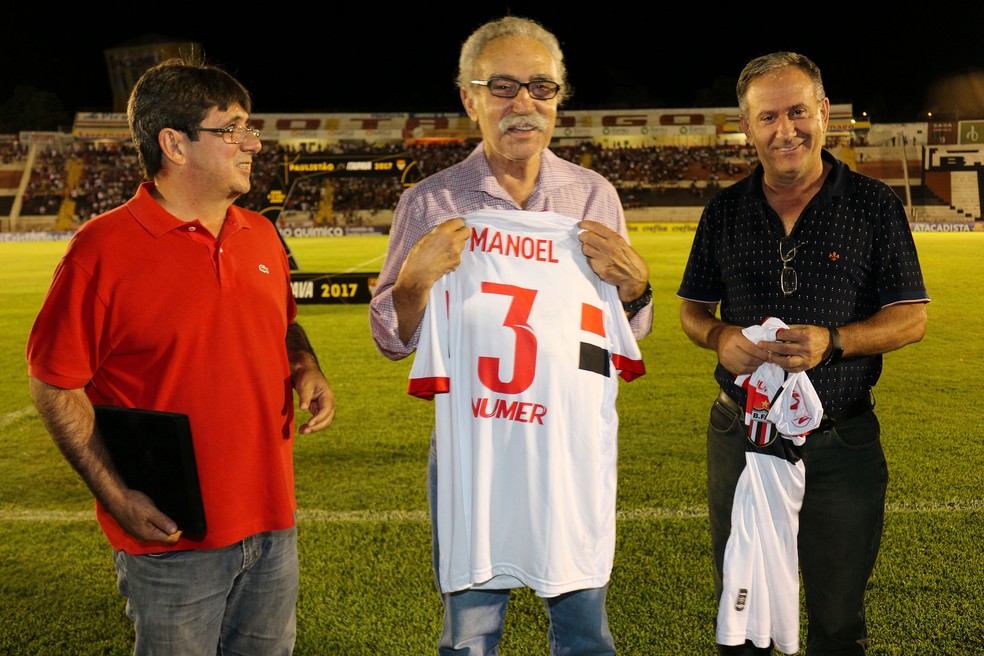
(148, 311)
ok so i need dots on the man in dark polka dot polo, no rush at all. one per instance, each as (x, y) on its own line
(829, 252)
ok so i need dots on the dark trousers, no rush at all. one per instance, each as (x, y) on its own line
(840, 523)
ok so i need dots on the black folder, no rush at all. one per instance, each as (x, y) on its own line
(154, 453)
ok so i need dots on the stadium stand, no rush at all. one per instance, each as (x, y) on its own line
(59, 183)
(95, 176)
(664, 162)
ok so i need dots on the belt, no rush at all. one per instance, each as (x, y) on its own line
(829, 420)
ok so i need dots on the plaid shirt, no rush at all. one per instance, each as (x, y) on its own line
(562, 187)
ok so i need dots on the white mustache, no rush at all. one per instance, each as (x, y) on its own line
(515, 120)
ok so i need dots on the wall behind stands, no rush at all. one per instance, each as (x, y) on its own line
(641, 127)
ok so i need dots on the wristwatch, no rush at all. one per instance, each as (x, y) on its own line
(836, 347)
(641, 302)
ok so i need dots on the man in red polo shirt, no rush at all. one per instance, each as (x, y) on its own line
(180, 301)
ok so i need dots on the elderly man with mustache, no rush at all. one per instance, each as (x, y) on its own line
(522, 488)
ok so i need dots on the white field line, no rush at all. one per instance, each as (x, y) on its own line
(360, 265)
(11, 417)
(396, 516)
(415, 516)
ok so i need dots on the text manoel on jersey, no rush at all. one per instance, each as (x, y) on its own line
(520, 246)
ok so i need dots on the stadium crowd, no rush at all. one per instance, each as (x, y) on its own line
(12, 150)
(95, 176)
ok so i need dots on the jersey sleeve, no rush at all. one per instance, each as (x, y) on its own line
(626, 355)
(429, 374)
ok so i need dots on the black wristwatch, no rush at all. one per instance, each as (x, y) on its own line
(836, 348)
(639, 303)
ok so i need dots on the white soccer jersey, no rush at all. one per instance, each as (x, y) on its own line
(760, 595)
(519, 348)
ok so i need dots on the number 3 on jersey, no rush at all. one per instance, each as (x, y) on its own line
(524, 357)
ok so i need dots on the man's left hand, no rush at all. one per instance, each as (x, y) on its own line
(613, 259)
(315, 395)
(798, 348)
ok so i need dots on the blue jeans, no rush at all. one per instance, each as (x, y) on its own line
(840, 522)
(474, 619)
(237, 600)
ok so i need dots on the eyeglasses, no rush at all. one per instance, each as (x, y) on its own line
(788, 280)
(232, 135)
(504, 87)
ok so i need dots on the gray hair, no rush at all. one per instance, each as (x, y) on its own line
(772, 62)
(472, 48)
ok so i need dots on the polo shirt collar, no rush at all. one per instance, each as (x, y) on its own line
(838, 182)
(157, 221)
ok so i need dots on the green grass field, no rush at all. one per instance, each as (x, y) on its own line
(366, 584)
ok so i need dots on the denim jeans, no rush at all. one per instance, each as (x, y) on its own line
(238, 600)
(474, 619)
(840, 522)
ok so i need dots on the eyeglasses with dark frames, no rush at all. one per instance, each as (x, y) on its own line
(232, 134)
(788, 280)
(505, 87)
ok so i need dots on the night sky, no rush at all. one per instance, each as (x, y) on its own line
(626, 58)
